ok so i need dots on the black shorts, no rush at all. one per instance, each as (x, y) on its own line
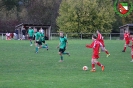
(62, 50)
(43, 41)
(30, 37)
(39, 43)
(34, 37)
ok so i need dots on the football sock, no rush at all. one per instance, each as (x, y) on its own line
(93, 66)
(65, 53)
(36, 49)
(61, 57)
(44, 46)
(98, 63)
(132, 57)
(106, 52)
(30, 42)
(124, 48)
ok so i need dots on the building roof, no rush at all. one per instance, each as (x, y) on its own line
(33, 25)
(126, 25)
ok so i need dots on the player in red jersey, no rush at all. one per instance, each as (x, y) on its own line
(100, 39)
(131, 49)
(127, 40)
(95, 45)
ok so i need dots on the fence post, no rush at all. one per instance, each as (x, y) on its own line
(81, 36)
(2, 36)
(66, 35)
(110, 36)
(51, 36)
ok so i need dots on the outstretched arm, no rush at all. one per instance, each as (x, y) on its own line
(90, 45)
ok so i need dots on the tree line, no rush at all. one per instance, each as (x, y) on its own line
(63, 15)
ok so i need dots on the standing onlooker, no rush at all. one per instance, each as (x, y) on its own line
(8, 37)
(16, 33)
(23, 33)
(30, 34)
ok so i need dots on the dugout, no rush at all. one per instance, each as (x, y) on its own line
(20, 27)
(128, 27)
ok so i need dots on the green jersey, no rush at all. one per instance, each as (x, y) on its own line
(63, 41)
(31, 32)
(42, 36)
(38, 36)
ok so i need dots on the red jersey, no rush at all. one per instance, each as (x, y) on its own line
(99, 37)
(126, 36)
(95, 45)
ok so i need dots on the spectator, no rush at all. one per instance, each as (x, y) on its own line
(16, 31)
(23, 33)
(8, 37)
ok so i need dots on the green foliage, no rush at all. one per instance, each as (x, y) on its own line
(86, 16)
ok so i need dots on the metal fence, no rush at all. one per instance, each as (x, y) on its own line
(108, 36)
(55, 36)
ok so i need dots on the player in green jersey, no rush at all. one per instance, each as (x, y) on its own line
(43, 40)
(38, 41)
(62, 46)
(30, 33)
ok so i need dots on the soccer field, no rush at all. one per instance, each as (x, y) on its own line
(21, 67)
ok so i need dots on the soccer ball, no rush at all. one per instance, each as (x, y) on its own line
(85, 68)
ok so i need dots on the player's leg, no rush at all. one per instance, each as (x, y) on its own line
(66, 53)
(60, 53)
(106, 51)
(30, 40)
(93, 65)
(36, 47)
(125, 46)
(132, 55)
(44, 45)
(99, 64)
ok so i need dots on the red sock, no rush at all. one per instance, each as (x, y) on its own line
(124, 48)
(106, 52)
(98, 63)
(93, 66)
(132, 57)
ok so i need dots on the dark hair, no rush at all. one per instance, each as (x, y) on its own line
(94, 36)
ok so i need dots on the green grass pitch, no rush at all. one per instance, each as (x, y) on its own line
(21, 67)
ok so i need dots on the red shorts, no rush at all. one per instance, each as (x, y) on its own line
(127, 42)
(95, 56)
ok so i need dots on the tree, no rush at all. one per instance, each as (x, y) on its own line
(86, 16)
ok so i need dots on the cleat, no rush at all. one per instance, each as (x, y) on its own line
(68, 54)
(131, 61)
(60, 60)
(47, 48)
(36, 52)
(103, 68)
(30, 44)
(93, 70)
(108, 55)
(123, 51)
